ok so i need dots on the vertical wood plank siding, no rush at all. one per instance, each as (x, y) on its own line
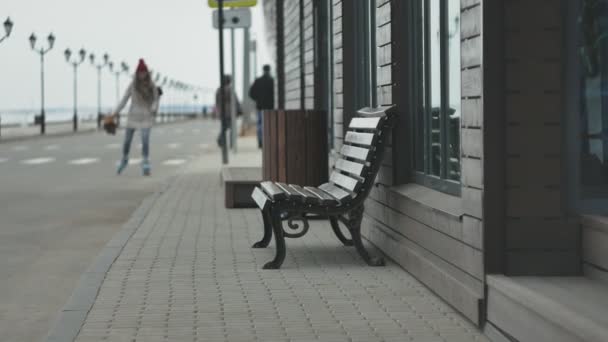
(338, 75)
(293, 63)
(533, 104)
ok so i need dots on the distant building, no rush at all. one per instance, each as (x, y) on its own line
(500, 154)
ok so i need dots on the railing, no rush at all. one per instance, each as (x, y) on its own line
(161, 118)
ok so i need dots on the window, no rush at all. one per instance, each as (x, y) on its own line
(436, 80)
(586, 116)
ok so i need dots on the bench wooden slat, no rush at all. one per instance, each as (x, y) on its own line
(372, 111)
(307, 196)
(365, 123)
(360, 138)
(344, 181)
(355, 152)
(273, 190)
(336, 192)
(350, 167)
(293, 194)
(325, 198)
(260, 198)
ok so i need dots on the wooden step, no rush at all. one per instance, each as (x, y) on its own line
(239, 183)
(555, 309)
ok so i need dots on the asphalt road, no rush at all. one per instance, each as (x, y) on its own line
(61, 201)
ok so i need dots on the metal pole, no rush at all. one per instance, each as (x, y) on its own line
(233, 133)
(255, 58)
(118, 96)
(98, 97)
(246, 68)
(42, 114)
(75, 119)
(222, 94)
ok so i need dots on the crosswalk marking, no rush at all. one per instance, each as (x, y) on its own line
(115, 145)
(204, 146)
(174, 145)
(135, 161)
(196, 130)
(38, 161)
(2, 160)
(51, 147)
(174, 162)
(83, 161)
(179, 130)
(20, 148)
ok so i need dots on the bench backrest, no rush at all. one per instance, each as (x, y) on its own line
(361, 155)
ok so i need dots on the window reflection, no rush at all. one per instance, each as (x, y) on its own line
(594, 96)
(453, 27)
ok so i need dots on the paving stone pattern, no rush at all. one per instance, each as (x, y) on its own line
(188, 274)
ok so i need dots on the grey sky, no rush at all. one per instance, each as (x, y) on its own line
(175, 37)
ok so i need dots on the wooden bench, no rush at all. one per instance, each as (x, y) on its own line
(340, 200)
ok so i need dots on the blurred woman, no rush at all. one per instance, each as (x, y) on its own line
(144, 104)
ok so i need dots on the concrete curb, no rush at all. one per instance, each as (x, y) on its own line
(72, 316)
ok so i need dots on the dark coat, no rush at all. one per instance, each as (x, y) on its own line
(262, 92)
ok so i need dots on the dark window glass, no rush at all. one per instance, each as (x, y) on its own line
(594, 97)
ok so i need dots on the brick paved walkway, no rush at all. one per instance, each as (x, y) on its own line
(188, 274)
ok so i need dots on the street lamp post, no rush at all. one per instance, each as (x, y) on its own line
(8, 28)
(42, 52)
(75, 63)
(123, 68)
(100, 66)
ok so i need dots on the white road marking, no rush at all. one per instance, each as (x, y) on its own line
(51, 147)
(132, 161)
(115, 145)
(196, 130)
(204, 146)
(38, 161)
(84, 161)
(2, 160)
(174, 162)
(20, 148)
(174, 145)
(179, 130)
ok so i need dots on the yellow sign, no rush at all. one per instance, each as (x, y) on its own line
(233, 3)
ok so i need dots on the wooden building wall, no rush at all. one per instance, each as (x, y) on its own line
(290, 33)
(338, 93)
(434, 236)
(293, 54)
(540, 238)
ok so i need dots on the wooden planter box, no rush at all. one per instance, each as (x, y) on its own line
(295, 147)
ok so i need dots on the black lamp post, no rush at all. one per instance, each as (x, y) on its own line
(123, 68)
(42, 51)
(105, 61)
(75, 63)
(8, 28)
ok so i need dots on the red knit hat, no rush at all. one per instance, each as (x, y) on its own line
(141, 66)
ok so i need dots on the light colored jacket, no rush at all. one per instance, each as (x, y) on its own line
(141, 113)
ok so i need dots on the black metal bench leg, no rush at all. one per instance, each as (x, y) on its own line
(335, 226)
(267, 231)
(355, 218)
(279, 238)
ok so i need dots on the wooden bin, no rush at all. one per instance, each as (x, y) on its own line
(295, 147)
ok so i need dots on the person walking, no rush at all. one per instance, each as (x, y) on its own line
(229, 98)
(144, 96)
(262, 92)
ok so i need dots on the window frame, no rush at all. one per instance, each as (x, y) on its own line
(421, 101)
